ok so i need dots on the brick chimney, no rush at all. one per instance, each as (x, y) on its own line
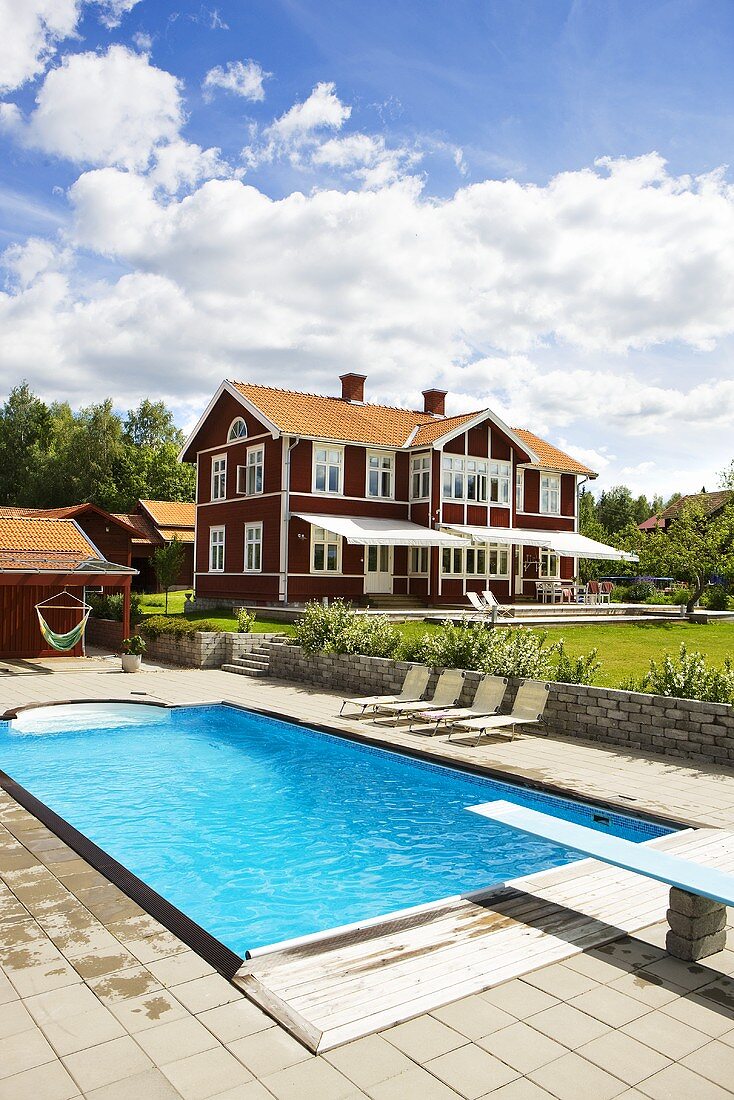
(434, 402)
(353, 387)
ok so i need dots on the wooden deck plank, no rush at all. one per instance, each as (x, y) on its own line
(330, 991)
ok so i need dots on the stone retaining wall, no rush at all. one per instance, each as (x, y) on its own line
(682, 728)
(202, 648)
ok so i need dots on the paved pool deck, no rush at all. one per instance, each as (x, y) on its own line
(98, 1000)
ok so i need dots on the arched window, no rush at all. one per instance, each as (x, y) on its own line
(237, 430)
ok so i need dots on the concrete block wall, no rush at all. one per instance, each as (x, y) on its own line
(682, 728)
(105, 633)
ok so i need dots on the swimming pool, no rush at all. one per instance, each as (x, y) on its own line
(262, 830)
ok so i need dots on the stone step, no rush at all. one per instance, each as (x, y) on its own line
(239, 670)
(251, 662)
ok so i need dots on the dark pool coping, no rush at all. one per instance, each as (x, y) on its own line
(219, 956)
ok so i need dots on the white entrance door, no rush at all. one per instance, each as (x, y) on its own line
(378, 569)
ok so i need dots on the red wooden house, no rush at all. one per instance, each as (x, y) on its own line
(301, 496)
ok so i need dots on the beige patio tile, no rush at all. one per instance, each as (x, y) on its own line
(7, 990)
(519, 998)
(180, 968)
(561, 981)
(107, 1062)
(47, 1082)
(151, 1010)
(522, 1088)
(206, 1074)
(473, 1017)
(24, 1051)
(269, 1051)
(45, 978)
(567, 1025)
(14, 1018)
(159, 945)
(415, 1084)
(522, 1047)
(676, 1082)
(715, 1062)
(99, 964)
(251, 1090)
(150, 1085)
(609, 1006)
(624, 1057)
(74, 1033)
(369, 1060)
(235, 1020)
(176, 1040)
(703, 1015)
(665, 1034)
(647, 988)
(59, 1004)
(119, 985)
(683, 975)
(424, 1038)
(315, 1077)
(574, 1078)
(207, 992)
(471, 1071)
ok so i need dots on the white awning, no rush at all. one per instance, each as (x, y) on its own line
(569, 543)
(368, 531)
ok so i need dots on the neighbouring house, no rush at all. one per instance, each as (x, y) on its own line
(711, 503)
(43, 557)
(111, 535)
(303, 497)
(156, 523)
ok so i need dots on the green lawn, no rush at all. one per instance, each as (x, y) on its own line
(624, 650)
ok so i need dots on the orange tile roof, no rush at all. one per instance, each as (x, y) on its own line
(428, 433)
(550, 457)
(311, 414)
(171, 513)
(43, 543)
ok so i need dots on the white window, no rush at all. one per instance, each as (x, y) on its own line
(549, 564)
(253, 547)
(499, 482)
(476, 561)
(520, 491)
(419, 557)
(499, 561)
(550, 494)
(325, 551)
(454, 484)
(216, 549)
(219, 477)
(328, 464)
(452, 561)
(420, 477)
(476, 480)
(237, 430)
(467, 478)
(250, 477)
(380, 474)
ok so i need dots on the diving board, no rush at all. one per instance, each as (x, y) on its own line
(698, 921)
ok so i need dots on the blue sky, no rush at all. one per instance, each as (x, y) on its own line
(525, 202)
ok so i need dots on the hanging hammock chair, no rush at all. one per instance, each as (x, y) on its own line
(67, 641)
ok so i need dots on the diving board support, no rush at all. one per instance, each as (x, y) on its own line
(699, 895)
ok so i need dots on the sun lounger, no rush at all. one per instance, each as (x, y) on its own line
(487, 700)
(495, 608)
(528, 709)
(414, 685)
(479, 605)
(446, 694)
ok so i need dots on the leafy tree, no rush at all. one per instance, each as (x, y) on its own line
(642, 509)
(616, 508)
(25, 430)
(694, 548)
(167, 564)
(152, 425)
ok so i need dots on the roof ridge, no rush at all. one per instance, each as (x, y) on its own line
(352, 404)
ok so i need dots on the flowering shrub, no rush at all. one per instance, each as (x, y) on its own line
(574, 670)
(177, 626)
(688, 676)
(245, 620)
(337, 629)
(516, 652)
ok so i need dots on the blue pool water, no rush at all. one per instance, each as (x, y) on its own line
(261, 830)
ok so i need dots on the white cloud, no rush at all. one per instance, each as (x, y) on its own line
(301, 128)
(112, 11)
(30, 31)
(26, 262)
(111, 108)
(242, 78)
(367, 158)
(525, 298)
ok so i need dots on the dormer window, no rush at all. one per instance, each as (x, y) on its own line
(237, 430)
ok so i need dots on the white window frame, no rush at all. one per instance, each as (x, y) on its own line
(499, 560)
(321, 537)
(420, 475)
(519, 490)
(500, 477)
(419, 555)
(215, 546)
(469, 479)
(386, 465)
(453, 556)
(247, 474)
(547, 559)
(231, 438)
(550, 494)
(255, 544)
(219, 477)
(328, 449)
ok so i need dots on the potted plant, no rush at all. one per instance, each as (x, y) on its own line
(133, 649)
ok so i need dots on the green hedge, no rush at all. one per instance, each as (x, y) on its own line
(158, 625)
